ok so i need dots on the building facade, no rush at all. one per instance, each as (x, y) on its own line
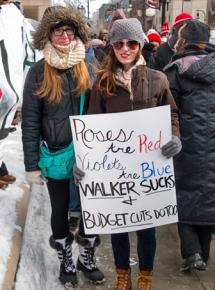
(204, 10)
(34, 8)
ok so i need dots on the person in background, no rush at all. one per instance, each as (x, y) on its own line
(51, 94)
(154, 38)
(114, 91)
(5, 177)
(95, 49)
(103, 36)
(165, 30)
(192, 81)
(118, 14)
(165, 51)
(148, 54)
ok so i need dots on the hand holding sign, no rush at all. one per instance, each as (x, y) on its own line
(78, 174)
(172, 148)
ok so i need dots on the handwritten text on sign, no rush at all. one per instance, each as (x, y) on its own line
(128, 185)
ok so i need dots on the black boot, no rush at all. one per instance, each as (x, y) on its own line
(193, 262)
(86, 259)
(68, 275)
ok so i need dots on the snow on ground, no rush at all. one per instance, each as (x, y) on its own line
(13, 158)
(39, 266)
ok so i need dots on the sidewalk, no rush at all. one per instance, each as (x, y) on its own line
(40, 265)
(16, 242)
(167, 275)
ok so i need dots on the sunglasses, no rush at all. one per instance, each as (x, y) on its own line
(131, 44)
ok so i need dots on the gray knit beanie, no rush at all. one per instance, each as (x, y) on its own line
(130, 29)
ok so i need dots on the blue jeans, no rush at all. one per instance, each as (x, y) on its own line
(146, 247)
(74, 200)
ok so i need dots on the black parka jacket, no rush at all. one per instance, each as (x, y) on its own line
(192, 82)
(42, 120)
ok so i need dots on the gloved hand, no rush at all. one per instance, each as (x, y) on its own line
(172, 148)
(34, 177)
(78, 174)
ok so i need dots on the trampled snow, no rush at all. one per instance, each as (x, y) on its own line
(39, 266)
(13, 158)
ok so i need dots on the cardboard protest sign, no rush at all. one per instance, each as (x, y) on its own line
(128, 185)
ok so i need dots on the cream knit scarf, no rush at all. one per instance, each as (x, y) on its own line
(63, 57)
(125, 76)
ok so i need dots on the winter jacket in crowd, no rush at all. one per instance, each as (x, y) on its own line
(148, 54)
(46, 121)
(192, 82)
(42, 119)
(162, 56)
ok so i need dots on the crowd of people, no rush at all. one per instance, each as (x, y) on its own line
(81, 76)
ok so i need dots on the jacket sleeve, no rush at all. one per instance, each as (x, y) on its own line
(167, 99)
(31, 121)
(174, 83)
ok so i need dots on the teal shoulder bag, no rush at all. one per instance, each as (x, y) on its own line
(59, 164)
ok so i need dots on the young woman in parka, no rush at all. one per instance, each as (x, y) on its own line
(52, 94)
(122, 85)
(192, 82)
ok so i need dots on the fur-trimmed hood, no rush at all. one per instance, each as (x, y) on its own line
(54, 15)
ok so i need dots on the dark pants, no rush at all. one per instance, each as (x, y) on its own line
(195, 239)
(146, 247)
(74, 203)
(59, 192)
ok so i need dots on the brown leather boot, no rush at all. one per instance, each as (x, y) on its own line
(144, 280)
(8, 178)
(123, 279)
(3, 184)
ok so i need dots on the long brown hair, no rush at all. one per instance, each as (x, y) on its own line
(106, 81)
(51, 86)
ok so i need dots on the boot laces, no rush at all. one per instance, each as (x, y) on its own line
(67, 260)
(122, 280)
(144, 282)
(89, 259)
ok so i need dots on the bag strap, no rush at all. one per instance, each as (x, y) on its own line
(150, 85)
(82, 99)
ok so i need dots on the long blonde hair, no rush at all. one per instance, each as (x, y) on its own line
(51, 86)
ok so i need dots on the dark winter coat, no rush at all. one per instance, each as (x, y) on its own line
(192, 82)
(121, 102)
(42, 120)
(162, 56)
(148, 54)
